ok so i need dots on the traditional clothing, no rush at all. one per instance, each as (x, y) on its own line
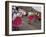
(31, 19)
(17, 22)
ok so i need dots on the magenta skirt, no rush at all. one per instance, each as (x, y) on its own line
(17, 22)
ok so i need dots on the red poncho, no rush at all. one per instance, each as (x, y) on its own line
(17, 22)
(31, 18)
(37, 17)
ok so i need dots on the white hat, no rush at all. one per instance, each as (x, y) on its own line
(22, 11)
(30, 13)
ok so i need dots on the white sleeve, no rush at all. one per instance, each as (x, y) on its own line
(14, 16)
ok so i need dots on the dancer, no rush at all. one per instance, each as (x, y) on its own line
(31, 17)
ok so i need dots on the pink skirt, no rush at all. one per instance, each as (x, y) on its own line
(17, 22)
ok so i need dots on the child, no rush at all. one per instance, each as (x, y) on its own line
(18, 20)
(31, 17)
